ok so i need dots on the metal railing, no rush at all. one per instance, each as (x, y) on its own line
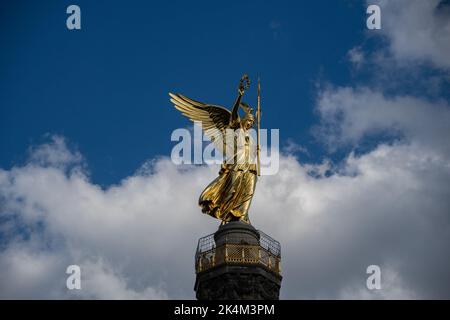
(267, 253)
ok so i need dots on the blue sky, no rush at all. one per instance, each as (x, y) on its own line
(85, 126)
(105, 86)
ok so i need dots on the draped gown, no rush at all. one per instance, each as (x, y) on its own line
(229, 196)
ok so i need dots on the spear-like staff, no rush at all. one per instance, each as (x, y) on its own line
(258, 123)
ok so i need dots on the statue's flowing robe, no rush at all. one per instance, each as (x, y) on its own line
(229, 196)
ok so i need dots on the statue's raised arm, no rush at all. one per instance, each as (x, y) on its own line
(244, 84)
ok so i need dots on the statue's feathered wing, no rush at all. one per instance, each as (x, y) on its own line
(215, 119)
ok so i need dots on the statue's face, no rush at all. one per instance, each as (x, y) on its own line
(248, 123)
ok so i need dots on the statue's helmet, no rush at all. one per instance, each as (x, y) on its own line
(248, 112)
(249, 116)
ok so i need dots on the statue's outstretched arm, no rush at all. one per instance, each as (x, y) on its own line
(234, 113)
(242, 87)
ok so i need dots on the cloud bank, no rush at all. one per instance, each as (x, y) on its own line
(136, 240)
(417, 31)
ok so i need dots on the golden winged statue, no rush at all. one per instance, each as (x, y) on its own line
(228, 197)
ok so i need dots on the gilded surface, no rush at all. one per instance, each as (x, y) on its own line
(229, 196)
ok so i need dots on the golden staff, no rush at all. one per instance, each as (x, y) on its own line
(258, 113)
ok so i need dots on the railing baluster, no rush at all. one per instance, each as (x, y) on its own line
(267, 253)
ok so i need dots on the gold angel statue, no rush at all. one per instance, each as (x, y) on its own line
(228, 197)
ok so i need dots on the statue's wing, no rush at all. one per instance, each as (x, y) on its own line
(214, 119)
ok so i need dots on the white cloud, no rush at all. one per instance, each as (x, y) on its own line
(348, 115)
(29, 274)
(392, 288)
(102, 281)
(356, 56)
(55, 154)
(417, 30)
(135, 226)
